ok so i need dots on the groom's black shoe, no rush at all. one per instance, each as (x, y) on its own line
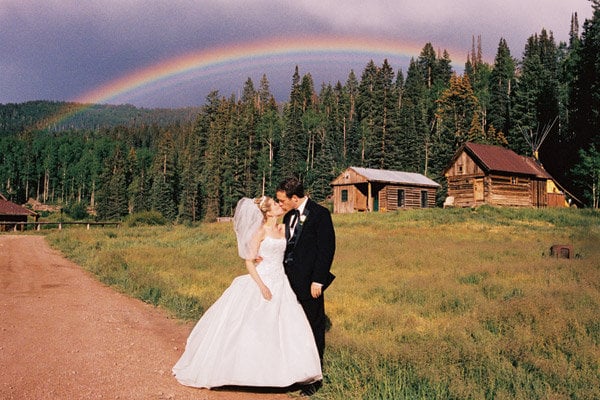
(310, 389)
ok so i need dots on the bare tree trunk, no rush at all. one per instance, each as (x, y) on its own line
(92, 202)
(46, 186)
(344, 139)
(270, 161)
(426, 157)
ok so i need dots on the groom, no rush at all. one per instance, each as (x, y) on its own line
(309, 253)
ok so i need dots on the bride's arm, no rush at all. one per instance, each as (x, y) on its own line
(266, 292)
(251, 267)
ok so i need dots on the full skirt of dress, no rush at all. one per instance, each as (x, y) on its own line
(245, 340)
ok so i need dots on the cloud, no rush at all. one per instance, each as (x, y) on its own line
(451, 24)
(58, 49)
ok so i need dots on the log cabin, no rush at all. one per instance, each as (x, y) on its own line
(12, 213)
(366, 189)
(485, 174)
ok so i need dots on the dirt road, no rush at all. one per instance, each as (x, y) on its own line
(64, 335)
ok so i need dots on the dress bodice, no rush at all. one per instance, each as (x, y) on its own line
(271, 250)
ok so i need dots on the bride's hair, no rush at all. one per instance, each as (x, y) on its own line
(264, 205)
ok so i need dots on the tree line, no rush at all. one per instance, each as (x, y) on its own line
(545, 104)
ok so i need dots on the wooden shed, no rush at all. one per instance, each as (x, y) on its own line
(485, 174)
(367, 189)
(11, 213)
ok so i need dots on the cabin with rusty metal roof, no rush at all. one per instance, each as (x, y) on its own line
(367, 189)
(486, 174)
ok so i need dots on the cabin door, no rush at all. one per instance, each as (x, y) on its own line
(478, 189)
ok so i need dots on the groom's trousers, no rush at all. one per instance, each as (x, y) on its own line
(315, 312)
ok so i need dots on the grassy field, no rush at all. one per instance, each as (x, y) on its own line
(427, 304)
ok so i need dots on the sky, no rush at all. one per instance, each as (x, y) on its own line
(173, 53)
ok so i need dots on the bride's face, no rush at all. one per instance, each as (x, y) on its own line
(275, 209)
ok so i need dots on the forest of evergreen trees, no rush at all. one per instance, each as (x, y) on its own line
(194, 164)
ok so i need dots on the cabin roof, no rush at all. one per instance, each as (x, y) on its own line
(500, 159)
(10, 208)
(390, 176)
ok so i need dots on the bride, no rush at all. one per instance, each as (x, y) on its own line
(256, 333)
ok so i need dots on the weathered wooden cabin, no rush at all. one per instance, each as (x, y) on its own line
(10, 213)
(367, 189)
(485, 174)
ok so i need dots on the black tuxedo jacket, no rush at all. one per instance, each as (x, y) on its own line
(309, 253)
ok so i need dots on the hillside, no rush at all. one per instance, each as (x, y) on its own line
(61, 116)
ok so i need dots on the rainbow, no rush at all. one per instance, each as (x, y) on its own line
(220, 60)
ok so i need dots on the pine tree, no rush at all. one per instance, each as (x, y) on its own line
(349, 94)
(112, 195)
(586, 86)
(414, 141)
(141, 182)
(587, 175)
(570, 60)
(501, 85)
(165, 184)
(366, 109)
(437, 73)
(292, 156)
(235, 168)
(584, 124)
(266, 101)
(190, 209)
(536, 95)
(213, 157)
(268, 134)
(247, 145)
(334, 107)
(458, 117)
(385, 97)
(479, 76)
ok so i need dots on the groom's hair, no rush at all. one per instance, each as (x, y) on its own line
(291, 186)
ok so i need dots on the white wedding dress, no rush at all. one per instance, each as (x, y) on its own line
(245, 340)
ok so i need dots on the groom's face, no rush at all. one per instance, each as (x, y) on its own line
(285, 202)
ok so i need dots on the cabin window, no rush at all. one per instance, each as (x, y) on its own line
(401, 198)
(460, 169)
(344, 195)
(424, 199)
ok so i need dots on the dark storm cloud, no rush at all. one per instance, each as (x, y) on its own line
(59, 49)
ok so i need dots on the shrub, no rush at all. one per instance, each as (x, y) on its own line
(77, 211)
(145, 218)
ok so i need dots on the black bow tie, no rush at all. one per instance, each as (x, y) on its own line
(294, 218)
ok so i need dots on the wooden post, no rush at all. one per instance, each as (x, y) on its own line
(369, 197)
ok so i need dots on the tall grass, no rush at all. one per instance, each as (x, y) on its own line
(427, 304)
